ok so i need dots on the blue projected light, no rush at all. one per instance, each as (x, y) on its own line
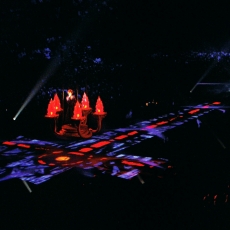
(77, 144)
(117, 145)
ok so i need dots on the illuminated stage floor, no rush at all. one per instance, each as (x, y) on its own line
(198, 160)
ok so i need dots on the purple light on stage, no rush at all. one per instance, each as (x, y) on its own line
(146, 136)
(117, 145)
(97, 151)
(81, 143)
(130, 174)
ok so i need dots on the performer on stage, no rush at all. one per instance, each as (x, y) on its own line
(71, 100)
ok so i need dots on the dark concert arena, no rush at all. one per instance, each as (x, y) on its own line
(114, 114)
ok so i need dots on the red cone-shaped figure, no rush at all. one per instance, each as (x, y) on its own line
(57, 103)
(99, 106)
(51, 111)
(85, 102)
(77, 114)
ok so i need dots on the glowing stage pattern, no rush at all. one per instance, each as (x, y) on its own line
(37, 161)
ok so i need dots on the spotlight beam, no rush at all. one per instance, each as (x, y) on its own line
(204, 75)
(226, 48)
(76, 34)
(140, 179)
(212, 83)
(43, 79)
(27, 186)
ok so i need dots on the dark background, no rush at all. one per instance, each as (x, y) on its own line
(129, 53)
(124, 34)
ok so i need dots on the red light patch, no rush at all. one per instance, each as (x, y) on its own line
(162, 122)
(85, 150)
(103, 158)
(41, 162)
(57, 152)
(151, 126)
(121, 137)
(76, 153)
(216, 103)
(100, 144)
(8, 143)
(24, 146)
(160, 162)
(132, 163)
(132, 133)
(194, 111)
(172, 119)
(42, 155)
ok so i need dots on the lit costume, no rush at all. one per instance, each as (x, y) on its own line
(71, 100)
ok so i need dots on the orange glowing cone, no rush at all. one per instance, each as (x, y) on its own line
(77, 114)
(57, 103)
(51, 111)
(85, 102)
(99, 106)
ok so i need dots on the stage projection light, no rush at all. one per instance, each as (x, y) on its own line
(43, 79)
